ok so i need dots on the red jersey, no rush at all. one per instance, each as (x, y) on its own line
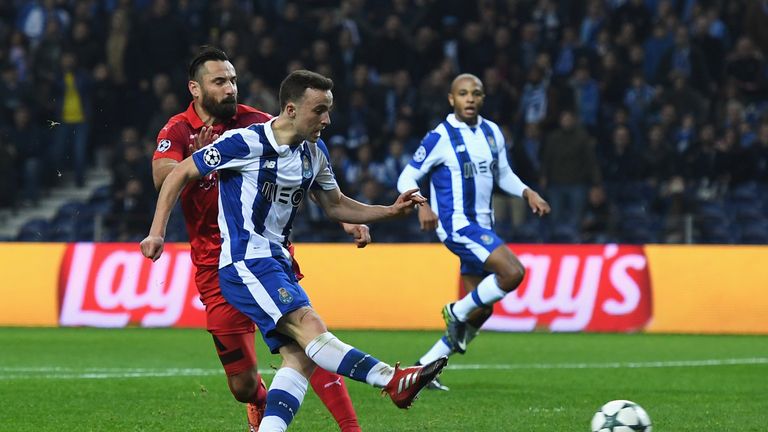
(200, 199)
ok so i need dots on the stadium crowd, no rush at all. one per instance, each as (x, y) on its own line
(638, 120)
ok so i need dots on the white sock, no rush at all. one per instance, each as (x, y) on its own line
(486, 294)
(440, 349)
(285, 395)
(335, 356)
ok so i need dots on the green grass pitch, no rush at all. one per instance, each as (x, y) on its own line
(170, 380)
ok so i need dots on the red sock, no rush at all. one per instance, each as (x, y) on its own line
(332, 390)
(260, 398)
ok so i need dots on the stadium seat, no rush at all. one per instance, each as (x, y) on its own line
(529, 232)
(718, 235)
(100, 194)
(34, 230)
(564, 234)
(754, 234)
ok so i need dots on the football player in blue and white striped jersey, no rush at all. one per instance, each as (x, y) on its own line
(465, 157)
(265, 171)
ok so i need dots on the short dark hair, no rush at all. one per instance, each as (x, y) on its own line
(206, 53)
(293, 86)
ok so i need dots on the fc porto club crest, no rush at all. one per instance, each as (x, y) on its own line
(306, 168)
(492, 144)
(485, 238)
(284, 295)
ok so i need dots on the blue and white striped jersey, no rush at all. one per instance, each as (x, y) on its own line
(261, 185)
(464, 163)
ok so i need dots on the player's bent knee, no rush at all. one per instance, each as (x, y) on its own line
(511, 277)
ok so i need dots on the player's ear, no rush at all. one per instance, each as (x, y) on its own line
(450, 98)
(290, 110)
(194, 88)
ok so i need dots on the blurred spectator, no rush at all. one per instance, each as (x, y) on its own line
(73, 109)
(592, 23)
(400, 99)
(568, 169)
(534, 102)
(389, 48)
(8, 163)
(395, 160)
(15, 94)
(500, 97)
(621, 162)
(25, 139)
(260, 96)
(685, 60)
(632, 12)
(587, 97)
(657, 160)
(747, 67)
(88, 49)
(756, 23)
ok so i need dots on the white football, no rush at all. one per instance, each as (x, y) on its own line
(621, 416)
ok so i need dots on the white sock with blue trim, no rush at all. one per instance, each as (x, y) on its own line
(333, 355)
(442, 348)
(286, 393)
(486, 294)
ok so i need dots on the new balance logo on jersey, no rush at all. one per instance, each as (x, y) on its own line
(283, 195)
(270, 164)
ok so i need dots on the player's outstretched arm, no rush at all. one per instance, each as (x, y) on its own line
(342, 208)
(152, 245)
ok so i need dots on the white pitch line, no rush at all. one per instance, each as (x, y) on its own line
(20, 373)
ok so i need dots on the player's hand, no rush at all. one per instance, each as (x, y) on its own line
(205, 137)
(427, 218)
(361, 234)
(152, 247)
(406, 201)
(536, 203)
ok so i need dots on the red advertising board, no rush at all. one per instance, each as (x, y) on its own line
(577, 288)
(113, 285)
(566, 288)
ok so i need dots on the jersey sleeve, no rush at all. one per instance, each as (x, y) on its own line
(233, 150)
(172, 142)
(425, 157)
(508, 181)
(325, 179)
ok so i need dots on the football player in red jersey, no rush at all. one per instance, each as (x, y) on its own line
(214, 109)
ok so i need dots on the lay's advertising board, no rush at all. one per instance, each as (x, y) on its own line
(567, 288)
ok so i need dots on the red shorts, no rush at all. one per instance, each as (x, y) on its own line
(233, 332)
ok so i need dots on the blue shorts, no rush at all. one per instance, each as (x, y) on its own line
(473, 244)
(264, 289)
